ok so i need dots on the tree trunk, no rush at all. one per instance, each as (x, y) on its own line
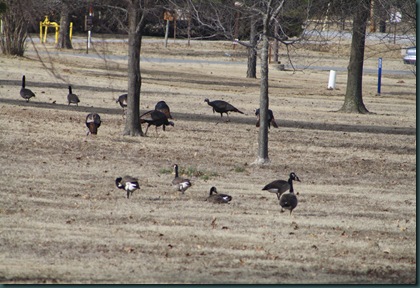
(276, 43)
(252, 51)
(263, 131)
(132, 123)
(64, 35)
(353, 101)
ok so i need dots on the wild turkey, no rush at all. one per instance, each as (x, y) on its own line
(215, 197)
(179, 183)
(122, 99)
(128, 183)
(221, 107)
(270, 118)
(93, 122)
(24, 92)
(156, 118)
(72, 98)
(281, 186)
(163, 107)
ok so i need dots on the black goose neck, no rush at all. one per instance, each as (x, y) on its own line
(291, 184)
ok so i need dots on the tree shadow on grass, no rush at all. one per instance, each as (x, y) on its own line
(216, 119)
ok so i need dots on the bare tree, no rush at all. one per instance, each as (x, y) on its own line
(353, 101)
(251, 71)
(64, 40)
(137, 12)
(269, 12)
(12, 40)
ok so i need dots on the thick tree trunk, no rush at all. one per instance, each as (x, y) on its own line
(132, 123)
(353, 101)
(252, 51)
(64, 35)
(263, 131)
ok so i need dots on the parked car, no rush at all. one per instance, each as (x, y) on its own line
(410, 56)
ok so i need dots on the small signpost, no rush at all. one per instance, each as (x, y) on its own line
(379, 76)
(181, 15)
(168, 17)
(89, 25)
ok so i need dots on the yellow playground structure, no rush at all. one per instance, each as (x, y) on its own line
(45, 24)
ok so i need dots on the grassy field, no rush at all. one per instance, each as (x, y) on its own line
(64, 221)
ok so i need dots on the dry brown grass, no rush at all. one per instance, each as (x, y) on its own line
(64, 221)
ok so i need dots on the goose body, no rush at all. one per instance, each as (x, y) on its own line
(270, 118)
(288, 201)
(122, 100)
(221, 107)
(25, 93)
(215, 197)
(164, 108)
(179, 183)
(93, 122)
(128, 183)
(72, 98)
(281, 186)
(156, 118)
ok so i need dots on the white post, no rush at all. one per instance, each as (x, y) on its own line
(331, 80)
(89, 38)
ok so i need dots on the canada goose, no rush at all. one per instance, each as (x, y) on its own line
(214, 197)
(288, 201)
(179, 183)
(270, 118)
(221, 107)
(281, 186)
(163, 107)
(157, 118)
(122, 100)
(93, 122)
(128, 183)
(24, 92)
(72, 98)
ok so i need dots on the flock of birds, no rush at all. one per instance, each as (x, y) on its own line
(160, 117)
(287, 201)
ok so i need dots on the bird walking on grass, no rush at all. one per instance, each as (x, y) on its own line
(215, 197)
(25, 93)
(93, 122)
(122, 100)
(288, 201)
(164, 108)
(270, 118)
(221, 107)
(72, 98)
(128, 183)
(179, 183)
(156, 118)
(281, 186)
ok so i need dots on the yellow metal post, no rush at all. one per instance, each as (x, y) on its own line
(56, 34)
(71, 30)
(45, 34)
